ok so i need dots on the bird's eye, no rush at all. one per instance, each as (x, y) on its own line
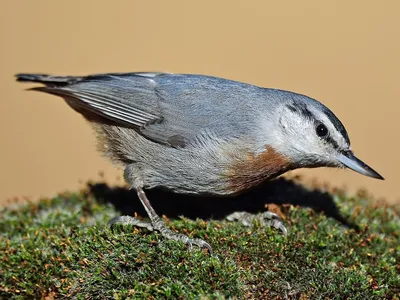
(321, 130)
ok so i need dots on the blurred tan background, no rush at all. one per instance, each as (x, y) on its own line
(344, 53)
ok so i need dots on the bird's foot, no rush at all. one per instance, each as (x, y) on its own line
(265, 219)
(128, 220)
(159, 225)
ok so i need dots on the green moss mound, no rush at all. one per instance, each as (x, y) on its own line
(63, 248)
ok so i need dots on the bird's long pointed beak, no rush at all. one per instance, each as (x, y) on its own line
(350, 161)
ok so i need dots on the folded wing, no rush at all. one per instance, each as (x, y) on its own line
(169, 109)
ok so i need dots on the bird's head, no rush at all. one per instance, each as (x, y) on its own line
(310, 135)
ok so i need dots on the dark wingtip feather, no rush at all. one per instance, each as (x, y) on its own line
(25, 77)
(49, 80)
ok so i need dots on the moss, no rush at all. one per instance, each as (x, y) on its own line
(63, 248)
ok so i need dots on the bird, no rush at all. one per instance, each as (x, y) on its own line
(201, 135)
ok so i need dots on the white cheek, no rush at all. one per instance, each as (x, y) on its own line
(297, 134)
(290, 135)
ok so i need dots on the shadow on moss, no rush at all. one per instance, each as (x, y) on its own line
(280, 191)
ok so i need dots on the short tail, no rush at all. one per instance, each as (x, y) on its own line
(48, 80)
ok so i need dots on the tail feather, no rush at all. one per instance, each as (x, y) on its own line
(48, 80)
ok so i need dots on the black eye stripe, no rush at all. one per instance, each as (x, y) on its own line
(302, 109)
(338, 125)
(327, 137)
(331, 141)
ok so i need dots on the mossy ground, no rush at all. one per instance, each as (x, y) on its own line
(63, 248)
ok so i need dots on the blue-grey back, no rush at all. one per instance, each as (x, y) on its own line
(181, 107)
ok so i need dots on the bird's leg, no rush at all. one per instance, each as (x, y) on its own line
(158, 224)
(266, 219)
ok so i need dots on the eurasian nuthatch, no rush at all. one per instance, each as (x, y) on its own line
(202, 135)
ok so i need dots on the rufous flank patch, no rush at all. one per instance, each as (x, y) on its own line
(254, 169)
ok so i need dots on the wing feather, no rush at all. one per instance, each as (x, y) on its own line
(170, 109)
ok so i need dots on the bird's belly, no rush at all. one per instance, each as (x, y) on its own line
(205, 172)
(186, 173)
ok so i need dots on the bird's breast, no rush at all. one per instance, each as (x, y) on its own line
(251, 169)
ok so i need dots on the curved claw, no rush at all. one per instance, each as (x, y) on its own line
(283, 229)
(275, 221)
(201, 244)
(278, 224)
